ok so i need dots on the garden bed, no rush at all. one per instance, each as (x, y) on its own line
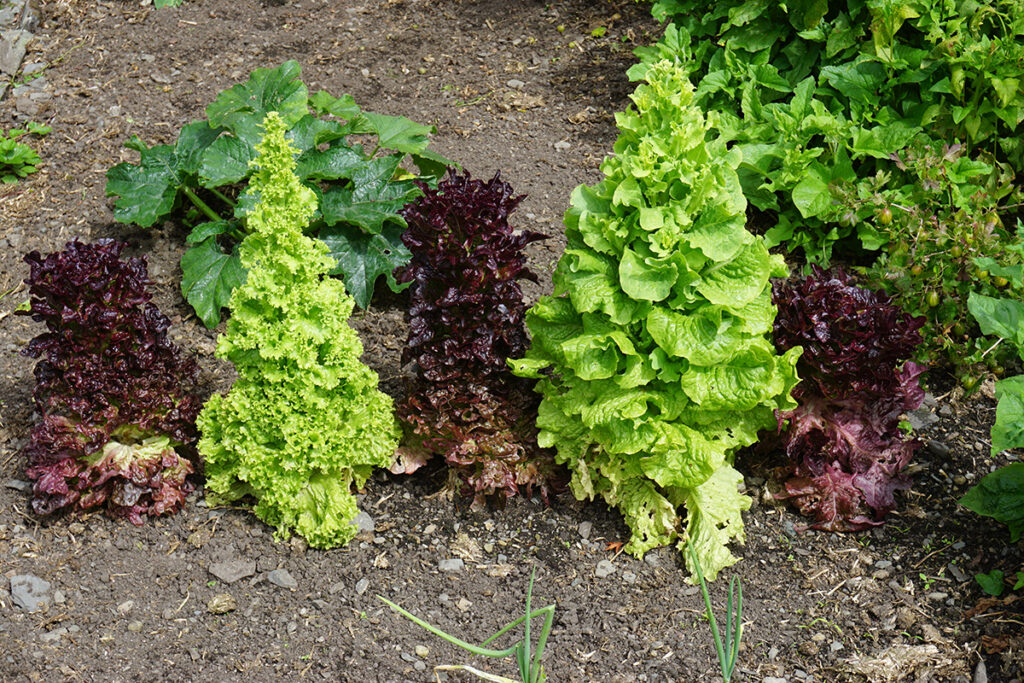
(527, 88)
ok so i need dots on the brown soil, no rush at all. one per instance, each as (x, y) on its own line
(897, 603)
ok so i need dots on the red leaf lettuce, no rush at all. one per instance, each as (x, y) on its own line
(846, 450)
(466, 319)
(110, 388)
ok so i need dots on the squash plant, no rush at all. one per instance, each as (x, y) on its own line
(360, 187)
(653, 354)
(304, 422)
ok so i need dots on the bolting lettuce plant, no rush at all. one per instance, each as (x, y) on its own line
(466, 320)
(304, 422)
(114, 394)
(653, 356)
(846, 451)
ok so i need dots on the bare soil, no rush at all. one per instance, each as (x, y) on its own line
(527, 88)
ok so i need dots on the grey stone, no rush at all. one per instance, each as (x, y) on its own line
(980, 673)
(135, 627)
(451, 565)
(125, 607)
(233, 570)
(957, 573)
(30, 592)
(59, 597)
(365, 525)
(604, 569)
(585, 529)
(937, 448)
(516, 83)
(283, 579)
(922, 418)
(54, 635)
(562, 146)
(629, 577)
(836, 646)
(362, 585)
(13, 45)
(18, 485)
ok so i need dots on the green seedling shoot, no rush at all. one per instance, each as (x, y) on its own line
(734, 620)
(530, 669)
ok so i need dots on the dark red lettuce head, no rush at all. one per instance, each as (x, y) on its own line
(108, 376)
(846, 450)
(466, 319)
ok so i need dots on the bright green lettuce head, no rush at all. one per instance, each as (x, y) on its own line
(654, 350)
(305, 422)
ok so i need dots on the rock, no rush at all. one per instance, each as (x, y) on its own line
(422, 651)
(135, 626)
(222, 603)
(336, 588)
(773, 679)
(362, 585)
(30, 592)
(585, 528)
(957, 573)
(125, 607)
(835, 646)
(604, 569)
(451, 565)
(59, 597)
(516, 83)
(18, 485)
(365, 525)
(937, 448)
(922, 418)
(980, 673)
(54, 635)
(562, 146)
(283, 579)
(464, 605)
(76, 528)
(233, 570)
(13, 45)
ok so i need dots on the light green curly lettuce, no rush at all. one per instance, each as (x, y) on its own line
(304, 422)
(653, 353)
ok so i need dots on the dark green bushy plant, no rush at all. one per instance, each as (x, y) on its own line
(360, 189)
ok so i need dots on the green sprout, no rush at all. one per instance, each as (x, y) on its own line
(530, 669)
(728, 653)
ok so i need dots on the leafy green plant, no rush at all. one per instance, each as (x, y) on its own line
(17, 159)
(829, 90)
(727, 652)
(994, 582)
(530, 668)
(940, 239)
(653, 354)
(1000, 495)
(360, 187)
(304, 422)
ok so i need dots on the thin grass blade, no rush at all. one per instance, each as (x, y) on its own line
(451, 639)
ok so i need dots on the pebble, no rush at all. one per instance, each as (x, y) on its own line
(562, 146)
(222, 603)
(773, 679)
(282, 578)
(585, 528)
(362, 585)
(233, 570)
(604, 569)
(18, 485)
(59, 597)
(937, 448)
(980, 673)
(125, 607)
(51, 636)
(516, 83)
(451, 565)
(422, 651)
(629, 577)
(957, 573)
(938, 596)
(883, 564)
(836, 646)
(922, 418)
(336, 588)
(29, 592)
(365, 525)
(135, 626)
(464, 605)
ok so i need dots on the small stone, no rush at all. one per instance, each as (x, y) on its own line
(585, 528)
(921, 418)
(135, 626)
(30, 592)
(938, 596)
(76, 528)
(59, 597)
(773, 654)
(419, 666)
(125, 607)
(336, 588)
(167, 614)
(516, 83)
(451, 565)
(463, 604)
(233, 570)
(883, 564)
(422, 651)
(980, 673)
(222, 603)
(629, 577)
(959, 480)
(604, 569)
(957, 573)
(773, 679)
(365, 72)
(283, 579)
(362, 585)
(489, 547)
(18, 485)
(836, 646)
(365, 525)
(54, 635)
(562, 146)
(937, 448)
